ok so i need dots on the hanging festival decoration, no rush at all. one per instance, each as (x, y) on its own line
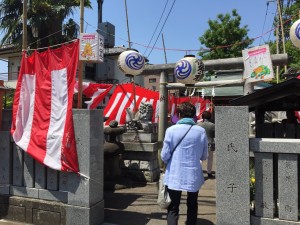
(186, 92)
(213, 93)
(131, 62)
(193, 92)
(295, 33)
(189, 70)
(203, 93)
(91, 47)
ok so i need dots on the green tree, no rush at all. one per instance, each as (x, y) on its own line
(45, 21)
(292, 52)
(290, 14)
(225, 37)
(8, 99)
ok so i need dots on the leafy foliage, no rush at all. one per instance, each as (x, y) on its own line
(44, 21)
(225, 37)
(252, 179)
(290, 15)
(8, 99)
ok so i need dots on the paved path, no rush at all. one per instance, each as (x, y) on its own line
(137, 206)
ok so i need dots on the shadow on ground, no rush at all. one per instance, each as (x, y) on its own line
(204, 222)
(118, 201)
(137, 218)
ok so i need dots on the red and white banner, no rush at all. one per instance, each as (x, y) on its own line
(123, 97)
(95, 91)
(42, 111)
(200, 104)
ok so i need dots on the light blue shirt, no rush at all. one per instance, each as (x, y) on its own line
(184, 170)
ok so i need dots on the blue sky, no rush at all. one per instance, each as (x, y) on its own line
(187, 21)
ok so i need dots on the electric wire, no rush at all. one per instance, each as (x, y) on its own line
(169, 49)
(162, 28)
(38, 40)
(273, 24)
(264, 22)
(195, 50)
(156, 27)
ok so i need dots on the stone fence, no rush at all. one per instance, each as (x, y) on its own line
(32, 193)
(276, 172)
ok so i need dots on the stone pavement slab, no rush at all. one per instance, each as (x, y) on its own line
(137, 206)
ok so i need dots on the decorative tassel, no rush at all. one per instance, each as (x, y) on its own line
(192, 94)
(203, 93)
(186, 91)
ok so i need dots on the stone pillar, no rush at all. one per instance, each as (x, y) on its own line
(1, 103)
(232, 165)
(85, 197)
(264, 181)
(6, 119)
(288, 187)
(5, 162)
(163, 111)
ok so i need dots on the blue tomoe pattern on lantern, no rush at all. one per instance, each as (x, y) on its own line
(183, 69)
(297, 31)
(135, 61)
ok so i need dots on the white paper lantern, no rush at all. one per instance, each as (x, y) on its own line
(189, 70)
(131, 62)
(295, 33)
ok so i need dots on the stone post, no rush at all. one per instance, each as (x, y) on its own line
(232, 165)
(5, 162)
(163, 111)
(1, 103)
(85, 197)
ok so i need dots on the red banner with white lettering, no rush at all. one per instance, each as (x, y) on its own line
(42, 110)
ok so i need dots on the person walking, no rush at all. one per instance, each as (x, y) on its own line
(210, 132)
(183, 148)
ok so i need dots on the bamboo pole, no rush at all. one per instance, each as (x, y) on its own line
(24, 37)
(277, 51)
(80, 63)
(127, 23)
(282, 31)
